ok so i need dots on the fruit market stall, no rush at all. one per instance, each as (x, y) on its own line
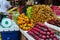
(33, 25)
(37, 22)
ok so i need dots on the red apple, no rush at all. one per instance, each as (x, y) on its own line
(35, 32)
(41, 32)
(54, 38)
(36, 29)
(37, 26)
(40, 24)
(47, 36)
(51, 36)
(48, 33)
(52, 33)
(43, 37)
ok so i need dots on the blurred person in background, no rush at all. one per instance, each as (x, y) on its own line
(4, 6)
(56, 2)
(22, 6)
(41, 1)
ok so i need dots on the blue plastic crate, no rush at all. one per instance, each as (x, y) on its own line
(10, 35)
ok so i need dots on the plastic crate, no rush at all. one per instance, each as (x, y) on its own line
(10, 35)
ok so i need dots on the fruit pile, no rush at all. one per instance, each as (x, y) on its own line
(41, 32)
(24, 23)
(55, 22)
(42, 13)
(29, 11)
(56, 9)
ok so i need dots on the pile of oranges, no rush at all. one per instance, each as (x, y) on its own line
(24, 22)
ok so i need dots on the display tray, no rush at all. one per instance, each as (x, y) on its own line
(55, 28)
(52, 26)
(30, 37)
(13, 27)
(26, 35)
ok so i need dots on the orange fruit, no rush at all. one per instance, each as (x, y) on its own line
(24, 28)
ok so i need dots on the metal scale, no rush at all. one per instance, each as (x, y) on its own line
(4, 21)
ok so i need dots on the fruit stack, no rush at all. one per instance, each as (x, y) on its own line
(56, 9)
(29, 12)
(24, 22)
(42, 13)
(55, 22)
(42, 32)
